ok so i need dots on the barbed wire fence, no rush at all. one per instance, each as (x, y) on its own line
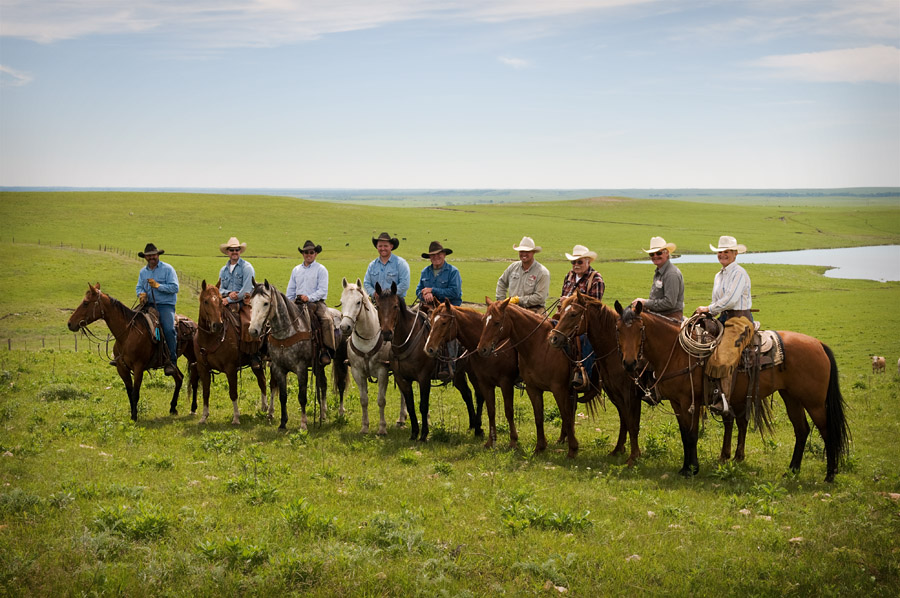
(75, 341)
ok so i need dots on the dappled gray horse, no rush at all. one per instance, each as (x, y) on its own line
(290, 347)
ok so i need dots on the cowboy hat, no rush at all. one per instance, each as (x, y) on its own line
(386, 237)
(434, 248)
(310, 245)
(527, 244)
(580, 251)
(150, 249)
(232, 242)
(727, 243)
(658, 244)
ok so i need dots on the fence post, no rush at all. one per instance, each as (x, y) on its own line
(76, 341)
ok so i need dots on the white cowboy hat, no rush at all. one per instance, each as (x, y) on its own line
(527, 244)
(727, 243)
(657, 244)
(580, 251)
(232, 242)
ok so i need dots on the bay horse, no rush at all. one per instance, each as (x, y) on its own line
(410, 363)
(217, 347)
(582, 314)
(367, 352)
(807, 381)
(541, 366)
(497, 369)
(134, 349)
(290, 347)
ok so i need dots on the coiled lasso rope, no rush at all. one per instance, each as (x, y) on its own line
(696, 340)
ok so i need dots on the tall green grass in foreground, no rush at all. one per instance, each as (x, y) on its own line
(92, 504)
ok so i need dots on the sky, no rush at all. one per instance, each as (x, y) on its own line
(464, 94)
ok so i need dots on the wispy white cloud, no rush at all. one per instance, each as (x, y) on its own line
(880, 64)
(10, 77)
(516, 63)
(233, 23)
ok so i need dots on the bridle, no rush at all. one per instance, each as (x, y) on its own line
(353, 318)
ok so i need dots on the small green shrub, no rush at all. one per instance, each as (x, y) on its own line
(19, 501)
(62, 392)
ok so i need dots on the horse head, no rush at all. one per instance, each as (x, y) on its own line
(443, 328)
(261, 300)
(211, 308)
(90, 310)
(389, 308)
(353, 302)
(572, 321)
(492, 333)
(630, 335)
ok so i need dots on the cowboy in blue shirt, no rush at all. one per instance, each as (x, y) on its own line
(158, 286)
(236, 285)
(387, 268)
(439, 280)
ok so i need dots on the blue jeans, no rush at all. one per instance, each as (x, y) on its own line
(587, 354)
(167, 321)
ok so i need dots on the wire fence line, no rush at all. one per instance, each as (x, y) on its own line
(65, 342)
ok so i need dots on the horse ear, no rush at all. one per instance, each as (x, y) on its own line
(487, 300)
(638, 308)
(359, 282)
(219, 283)
(253, 280)
(377, 288)
(266, 283)
(619, 309)
(393, 288)
(505, 302)
(447, 303)
(203, 284)
(344, 282)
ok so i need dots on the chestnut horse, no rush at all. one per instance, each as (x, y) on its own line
(498, 369)
(541, 366)
(410, 363)
(290, 347)
(807, 382)
(582, 314)
(367, 352)
(134, 349)
(217, 347)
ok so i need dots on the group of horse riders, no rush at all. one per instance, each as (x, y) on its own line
(525, 282)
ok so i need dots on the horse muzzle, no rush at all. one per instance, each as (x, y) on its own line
(216, 327)
(630, 366)
(557, 339)
(431, 351)
(346, 326)
(387, 335)
(486, 351)
(76, 326)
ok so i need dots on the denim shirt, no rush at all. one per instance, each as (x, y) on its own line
(395, 270)
(164, 274)
(446, 285)
(239, 280)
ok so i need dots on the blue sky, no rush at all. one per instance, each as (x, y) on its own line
(455, 94)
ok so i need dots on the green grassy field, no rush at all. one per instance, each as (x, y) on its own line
(92, 504)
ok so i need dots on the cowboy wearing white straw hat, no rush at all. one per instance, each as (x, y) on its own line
(731, 301)
(667, 291)
(526, 281)
(583, 278)
(235, 285)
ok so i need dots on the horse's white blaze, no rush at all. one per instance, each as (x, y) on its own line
(488, 321)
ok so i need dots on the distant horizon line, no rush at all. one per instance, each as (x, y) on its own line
(566, 189)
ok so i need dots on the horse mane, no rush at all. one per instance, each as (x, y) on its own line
(126, 311)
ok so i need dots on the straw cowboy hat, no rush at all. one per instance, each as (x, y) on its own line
(150, 249)
(310, 245)
(232, 242)
(527, 244)
(580, 251)
(436, 247)
(386, 237)
(658, 244)
(727, 243)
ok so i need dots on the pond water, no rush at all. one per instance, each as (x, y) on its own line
(880, 262)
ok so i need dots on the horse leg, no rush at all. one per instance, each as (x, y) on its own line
(565, 400)
(339, 371)
(231, 376)
(261, 382)
(204, 374)
(125, 375)
(801, 428)
(633, 422)
(406, 392)
(302, 382)
(424, 396)
(382, 402)
(537, 405)
(728, 425)
(179, 379)
(623, 429)
(459, 381)
(508, 391)
(363, 386)
(742, 423)
(278, 379)
(321, 384)
(479, 404)
(688, 429)
(136, 392)
(490, 401)
(194, 383)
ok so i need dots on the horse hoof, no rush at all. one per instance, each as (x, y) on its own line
(381, 432)
(173, 412)
(479, 433)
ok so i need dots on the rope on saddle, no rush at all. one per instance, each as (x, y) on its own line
(697, 339)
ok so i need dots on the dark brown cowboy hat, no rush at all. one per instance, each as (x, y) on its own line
(386, 237)
(436, 247)
(310, 245)
(150, 249)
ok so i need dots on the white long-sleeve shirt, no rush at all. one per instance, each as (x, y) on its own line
(731, 290)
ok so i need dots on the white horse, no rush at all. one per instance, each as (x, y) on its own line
(367, 351)
(290, 347)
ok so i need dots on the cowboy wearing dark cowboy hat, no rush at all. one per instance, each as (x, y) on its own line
(439, 280)
(158, 286)
(387, 268)
(309, 285)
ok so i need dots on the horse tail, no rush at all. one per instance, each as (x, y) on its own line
(837, 442)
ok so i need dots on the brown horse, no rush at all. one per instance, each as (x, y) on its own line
(217, 347)
(410, 363)
(134, 349)
(582, 314)
(541, 366)
(498, 369)
(807, 382)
